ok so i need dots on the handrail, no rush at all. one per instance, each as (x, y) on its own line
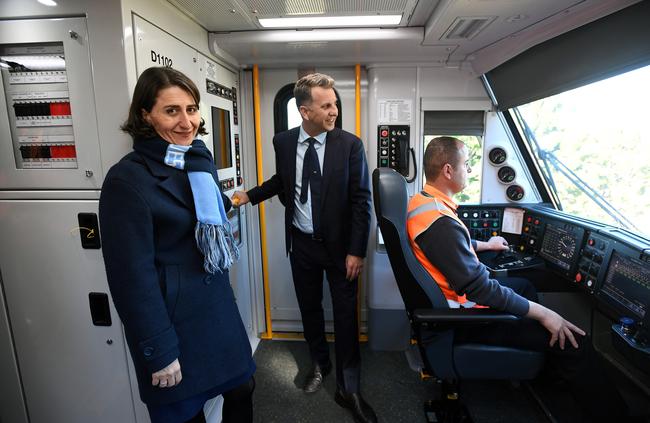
(262, 209)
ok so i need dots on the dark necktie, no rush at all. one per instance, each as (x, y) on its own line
(311, 177)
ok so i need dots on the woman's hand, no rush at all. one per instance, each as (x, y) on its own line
(168, 377)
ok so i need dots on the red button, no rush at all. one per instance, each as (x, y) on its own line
(591, 241)
(536, 222)
(578, 277)
(384, 133)
(530, 219)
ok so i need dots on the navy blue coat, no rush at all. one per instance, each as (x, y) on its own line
(345, 190)
(170, 307)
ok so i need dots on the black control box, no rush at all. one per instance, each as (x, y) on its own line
(393, 147)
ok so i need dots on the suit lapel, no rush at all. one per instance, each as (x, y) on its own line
(331, 149)
(172, 180)
(291, 155)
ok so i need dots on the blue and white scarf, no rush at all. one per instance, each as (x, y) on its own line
(213, 232)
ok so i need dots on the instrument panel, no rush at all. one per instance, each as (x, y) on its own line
(561, 244)
(610, 264)
(577, 250)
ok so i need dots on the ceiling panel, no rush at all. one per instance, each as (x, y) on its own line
(216, 15)
(266, 8)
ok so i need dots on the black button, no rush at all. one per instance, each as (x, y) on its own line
(207, 280)
(148, 351)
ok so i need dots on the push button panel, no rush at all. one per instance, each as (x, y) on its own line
(590, 265)
(393, 147)
(481, 223)
(531, 234)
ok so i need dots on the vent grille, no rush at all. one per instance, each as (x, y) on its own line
(214, 15)
(464, 28)
(302, 7)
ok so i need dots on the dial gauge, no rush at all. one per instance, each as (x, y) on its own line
(566, 246)
(497, 156)
(515, 192)
(506, 174)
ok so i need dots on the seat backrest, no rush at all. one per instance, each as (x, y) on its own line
(416, 285)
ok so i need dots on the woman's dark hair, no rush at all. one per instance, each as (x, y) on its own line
(146, 91)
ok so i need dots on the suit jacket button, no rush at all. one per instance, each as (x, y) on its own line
(148, 351)
(207, 280)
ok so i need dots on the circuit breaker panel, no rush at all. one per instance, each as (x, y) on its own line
(49, 139)
(38, 101)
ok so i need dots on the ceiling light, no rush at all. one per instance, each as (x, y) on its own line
(47, 2)
(331, 21)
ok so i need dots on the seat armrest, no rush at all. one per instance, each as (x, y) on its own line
(462, 315)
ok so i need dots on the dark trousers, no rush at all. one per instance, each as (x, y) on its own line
(581, 369)
(309, 259)
(237, 405)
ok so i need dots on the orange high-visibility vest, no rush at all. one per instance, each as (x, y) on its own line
(423, 211)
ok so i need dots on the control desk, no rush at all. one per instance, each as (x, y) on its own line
(609, 264)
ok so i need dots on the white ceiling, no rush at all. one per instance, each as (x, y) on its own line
(504, 28)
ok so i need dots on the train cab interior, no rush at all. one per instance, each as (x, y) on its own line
(550, 99)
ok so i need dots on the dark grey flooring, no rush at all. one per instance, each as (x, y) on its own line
(395, 391)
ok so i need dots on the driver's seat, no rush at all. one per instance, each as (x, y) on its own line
(432, 321)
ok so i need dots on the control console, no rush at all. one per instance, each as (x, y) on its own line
(482, 223)
(393, 147)
(590, 264)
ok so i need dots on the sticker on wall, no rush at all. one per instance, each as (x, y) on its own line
(391, 111)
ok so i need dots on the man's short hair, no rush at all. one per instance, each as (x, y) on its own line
(302, 90)
(440, 151)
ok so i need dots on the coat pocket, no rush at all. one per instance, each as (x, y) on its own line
(172, 284)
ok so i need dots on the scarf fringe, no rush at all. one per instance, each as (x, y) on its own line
(218, 246)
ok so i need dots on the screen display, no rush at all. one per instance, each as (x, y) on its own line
(627, 283)
(221, 138)
(561, 244)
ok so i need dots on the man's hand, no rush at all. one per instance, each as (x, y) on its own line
(239, 198)
(168, 377)
(353, 266)
(496, 243)
(559, 327)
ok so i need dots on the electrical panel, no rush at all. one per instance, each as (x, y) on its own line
(49, 139)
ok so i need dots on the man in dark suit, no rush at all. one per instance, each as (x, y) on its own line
(322, 180)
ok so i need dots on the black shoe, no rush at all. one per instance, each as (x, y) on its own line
(361, 411)
(316, 377)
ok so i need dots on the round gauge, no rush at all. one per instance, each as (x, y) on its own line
(515, 192)
(506, 174)
(566, 246)
(497, 156)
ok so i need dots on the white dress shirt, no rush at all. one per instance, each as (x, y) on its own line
(302, 215)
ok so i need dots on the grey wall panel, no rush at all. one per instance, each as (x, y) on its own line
(71, 370)
(12, 403)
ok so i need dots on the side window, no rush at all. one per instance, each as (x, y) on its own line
(467, 126)
(472, 192)
(285, 112)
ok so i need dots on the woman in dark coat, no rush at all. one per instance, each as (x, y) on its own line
(167, 248)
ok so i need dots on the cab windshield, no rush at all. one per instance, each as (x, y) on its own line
(592, 148)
